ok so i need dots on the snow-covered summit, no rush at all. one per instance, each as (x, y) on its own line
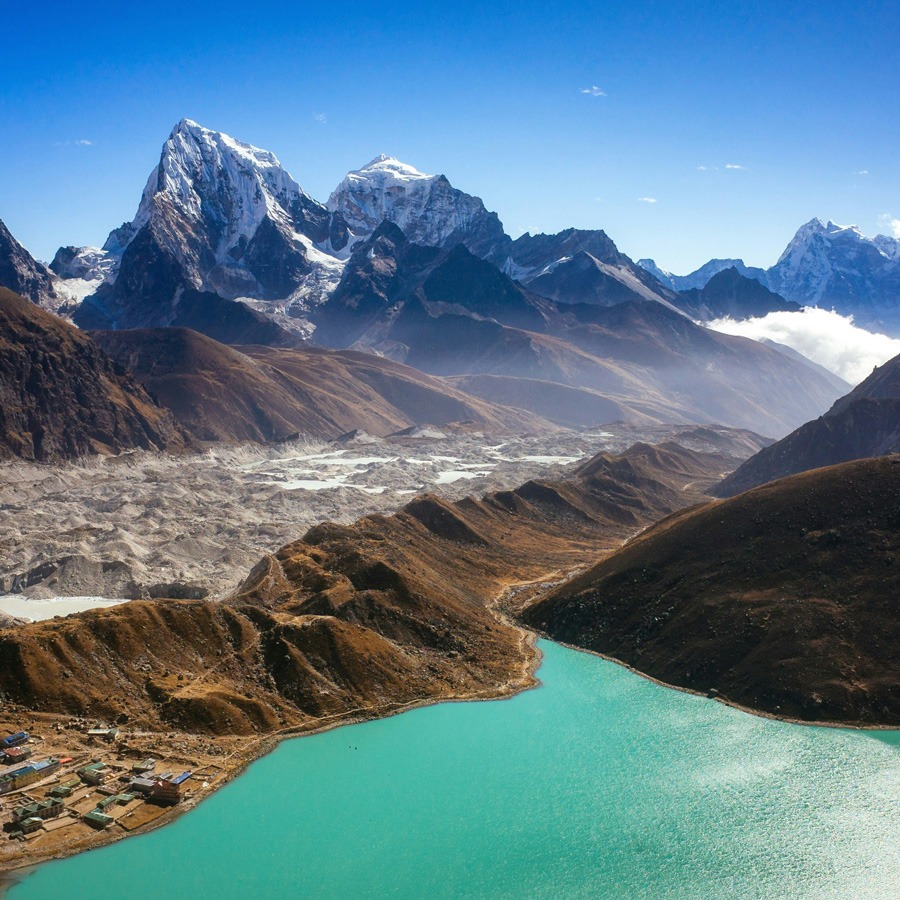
(225, 185)
(221, 215)
(837, 266)
(389, 169)
(427, 208)
(817, 229)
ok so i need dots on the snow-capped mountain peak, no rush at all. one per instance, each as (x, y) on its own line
(390, 168)
(832, 265)
(427, 208)
(208, 175)
(222, 215)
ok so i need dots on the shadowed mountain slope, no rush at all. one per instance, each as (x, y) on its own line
(572, 407)
(451, 313)
(729, 294)
(864, 423)
(22, 274)
(221, 393)
(784, 599)
(61, 396)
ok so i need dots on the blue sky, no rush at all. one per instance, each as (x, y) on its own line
(801, 96)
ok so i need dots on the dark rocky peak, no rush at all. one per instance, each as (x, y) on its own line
(730, 294)
(462, 279)
(21, 273)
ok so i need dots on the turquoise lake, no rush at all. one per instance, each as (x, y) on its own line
(599, 783)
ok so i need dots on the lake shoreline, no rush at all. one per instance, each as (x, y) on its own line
(265, 744)
(759, 713)
(476, 759)
(526, 680)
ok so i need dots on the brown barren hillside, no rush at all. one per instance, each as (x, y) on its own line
(350, 620)
(222, 393)
(864, 423)
(571, 407)
(785, 599)
(61, 396)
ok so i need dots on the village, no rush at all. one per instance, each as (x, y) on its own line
(81, 783)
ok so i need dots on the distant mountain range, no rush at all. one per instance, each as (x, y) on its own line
(219, 215)
(826, 265)
(731, 294)
(402, 264)
(450, 313)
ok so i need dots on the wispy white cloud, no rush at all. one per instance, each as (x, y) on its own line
(734, 166)
(701, 168)
(321, 118)
(593, 91)
(892, 223)
(83, 142)
(646, 199)
(862, 172)
(824, 336)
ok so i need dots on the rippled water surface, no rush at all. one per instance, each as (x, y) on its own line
(598, 784)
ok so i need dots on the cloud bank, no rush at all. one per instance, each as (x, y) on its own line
(890, 222)
(825, 337)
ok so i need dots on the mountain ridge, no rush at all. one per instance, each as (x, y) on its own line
(61, 396)
(782, 599)
(864, 423)
(826, 265)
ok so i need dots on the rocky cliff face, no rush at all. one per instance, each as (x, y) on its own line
(61, 396)
(216, 215)
(22, 274)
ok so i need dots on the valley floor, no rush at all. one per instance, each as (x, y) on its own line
(204, 520)
(194, 525)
